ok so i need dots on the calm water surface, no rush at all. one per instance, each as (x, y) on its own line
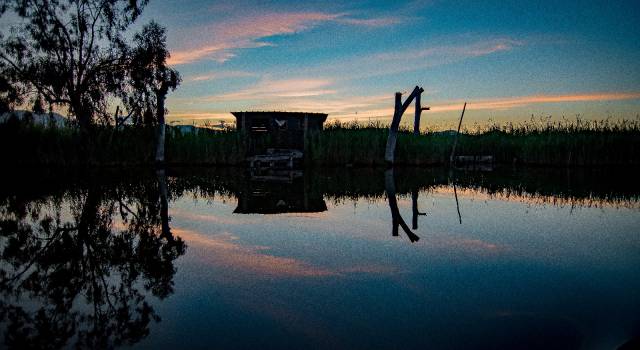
(326, 258)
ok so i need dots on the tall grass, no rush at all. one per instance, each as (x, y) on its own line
(543, 142)
(564, 143)
(206, 147)
(24, 144)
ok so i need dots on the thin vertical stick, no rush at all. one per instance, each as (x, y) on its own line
(416, 122)
(455, 141)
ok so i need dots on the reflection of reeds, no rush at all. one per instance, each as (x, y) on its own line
(535, 186)
(545, 142)
(615, 187)
(536, 198)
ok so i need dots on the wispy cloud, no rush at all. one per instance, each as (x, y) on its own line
(397, 60)
(337, 106)
(198, 116)
(448, 53)
(219, 41)
(381, 107)
(505, 103)
(268, 89)
(370, 22)
(219, 75)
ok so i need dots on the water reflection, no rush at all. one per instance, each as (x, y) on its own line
(278, 192)
(77, 268)
(89, 259)
(396, 218)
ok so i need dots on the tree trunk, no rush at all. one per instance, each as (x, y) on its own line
(390, 149)
(83, 116)
(160, 136)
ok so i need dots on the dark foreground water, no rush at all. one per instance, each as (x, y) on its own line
(414, 258)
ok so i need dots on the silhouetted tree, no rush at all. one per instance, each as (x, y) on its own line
(69, 51)
(151, 79)
(9, 94)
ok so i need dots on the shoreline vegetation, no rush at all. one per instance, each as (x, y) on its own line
(544, 143)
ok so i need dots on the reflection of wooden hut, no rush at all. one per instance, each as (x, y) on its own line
(277, 130)
(275, 192)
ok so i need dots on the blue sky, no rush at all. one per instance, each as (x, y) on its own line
(509, 59)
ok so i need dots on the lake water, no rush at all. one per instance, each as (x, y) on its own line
(325, 258)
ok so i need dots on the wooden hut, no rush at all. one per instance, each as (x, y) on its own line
(278, 130)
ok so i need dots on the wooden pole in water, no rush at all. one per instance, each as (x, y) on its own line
(419, 109)
(400, 108)
(389, 153)
(455, 140)
(416, 122)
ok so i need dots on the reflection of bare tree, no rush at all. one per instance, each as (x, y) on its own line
(397, 220)
(84, 277)
(455, 194)
(414, 208)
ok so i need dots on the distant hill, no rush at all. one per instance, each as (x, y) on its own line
(44, 119)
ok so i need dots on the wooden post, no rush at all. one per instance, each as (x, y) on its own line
(389, 153)
(400, 108)
(455, 140)
(416, 121)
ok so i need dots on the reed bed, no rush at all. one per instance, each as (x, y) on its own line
(535, 142)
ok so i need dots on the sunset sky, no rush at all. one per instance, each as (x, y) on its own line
(509, 59)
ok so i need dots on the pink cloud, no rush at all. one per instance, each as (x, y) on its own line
(219, 75)
(218, 41)
(513, 102)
